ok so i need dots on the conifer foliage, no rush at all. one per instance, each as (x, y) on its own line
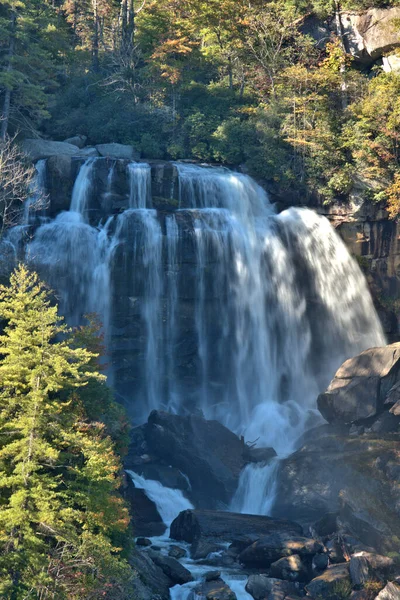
(60, 512)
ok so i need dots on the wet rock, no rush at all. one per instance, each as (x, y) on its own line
(271, 548)
(207, 527)
(150, 582)
(114, 150)
(262, 587)
(212, 575)
(145, 516)
(142, 541)
(176, 552)
(360, 387)
(77, 140)
(173, 569)
(212, 590)
(328, 584)
(256, 455)
(290, 568)
(390, 592)
(166, 475)
(207, 452)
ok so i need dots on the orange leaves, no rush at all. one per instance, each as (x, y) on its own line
(169, 54)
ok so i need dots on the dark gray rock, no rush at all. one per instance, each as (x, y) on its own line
(335, 551)
(212, 575)
(271, 548)
(173, 569)
(359, 570)
(319, 563)
(176, 552)
(142, 541)
(290, 568)
(256, 455)
(212, 590)
(361, 385)
(145, 516)
(327, 474)
(262, 587)
(150, 582)
(385, 423)
(88, 152)
(207, 452)
(205, 529)
(328, 584)
(326, 525)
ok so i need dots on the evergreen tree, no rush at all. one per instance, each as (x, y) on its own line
(59, 510)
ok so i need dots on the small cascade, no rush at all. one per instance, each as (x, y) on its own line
(169, 502)
(82, 188)
(139, 185)
(172, 276)
(257, 488)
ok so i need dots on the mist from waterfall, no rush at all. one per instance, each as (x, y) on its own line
(276, 302)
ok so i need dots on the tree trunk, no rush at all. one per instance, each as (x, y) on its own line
(5, 117)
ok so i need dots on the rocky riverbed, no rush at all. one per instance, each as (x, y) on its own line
(334, 529)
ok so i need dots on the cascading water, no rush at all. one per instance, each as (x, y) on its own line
(227, 306)
(139, 184)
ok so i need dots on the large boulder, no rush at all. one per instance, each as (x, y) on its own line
(270, 548)
(37, 149)
(326, 475)
(206, 452)
(262, 587)
(361, 385)
(171, 567)
(207, 528)
(149, 582)
(390, 592)
(113, 150)
(328, 584)
(216, 589)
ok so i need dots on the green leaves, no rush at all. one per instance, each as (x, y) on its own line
(59, 474)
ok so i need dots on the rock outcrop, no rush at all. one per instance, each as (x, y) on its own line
(361, 386)
(206, 452)
(38, 149)
(208, 531)
(367, 35)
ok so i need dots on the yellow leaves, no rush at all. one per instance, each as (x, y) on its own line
(393, 195)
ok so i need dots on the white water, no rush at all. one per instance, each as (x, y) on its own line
(82, 188)
(140, 185)
(236, 310)
(169, 502)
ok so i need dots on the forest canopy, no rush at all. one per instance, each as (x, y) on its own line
(227, 81)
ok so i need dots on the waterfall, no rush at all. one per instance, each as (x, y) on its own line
(139, 185)
(82, 187)
(169, 502)
(221, 305)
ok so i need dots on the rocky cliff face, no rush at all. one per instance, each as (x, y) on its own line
(368, 36)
